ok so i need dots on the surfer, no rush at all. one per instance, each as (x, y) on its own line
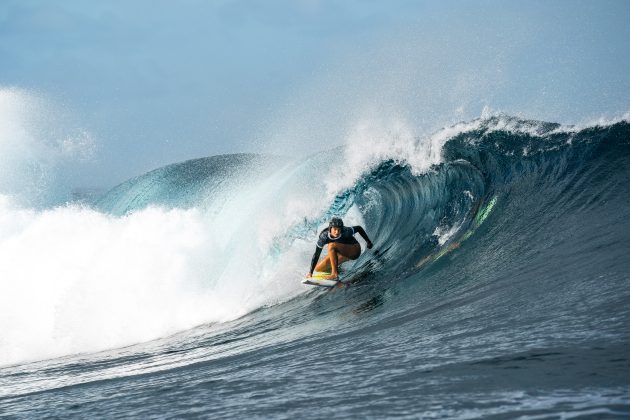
(342, 246)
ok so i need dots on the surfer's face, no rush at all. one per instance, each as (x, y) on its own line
(335, 231)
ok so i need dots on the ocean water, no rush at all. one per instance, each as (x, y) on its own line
(498, 285)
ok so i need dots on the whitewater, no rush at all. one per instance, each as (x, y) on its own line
(497, 286)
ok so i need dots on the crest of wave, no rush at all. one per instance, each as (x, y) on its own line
(372, 141)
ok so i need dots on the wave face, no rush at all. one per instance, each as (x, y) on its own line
(194, 183)
(497, 285)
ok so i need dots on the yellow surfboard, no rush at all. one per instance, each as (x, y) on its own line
(318, 280)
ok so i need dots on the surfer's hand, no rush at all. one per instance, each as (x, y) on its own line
(370, 245)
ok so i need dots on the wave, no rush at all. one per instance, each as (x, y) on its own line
(210, 240)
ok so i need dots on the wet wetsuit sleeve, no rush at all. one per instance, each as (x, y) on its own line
(361, 231)
(321, 240)
(318, 251)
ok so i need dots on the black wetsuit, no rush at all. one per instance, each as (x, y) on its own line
(346, 237)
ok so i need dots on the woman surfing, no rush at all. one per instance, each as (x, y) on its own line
(342, 246)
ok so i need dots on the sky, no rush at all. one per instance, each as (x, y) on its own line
(154, 82)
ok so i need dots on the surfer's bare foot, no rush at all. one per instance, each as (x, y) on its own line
(332, 276)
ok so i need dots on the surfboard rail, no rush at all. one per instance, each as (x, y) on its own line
(318, 279)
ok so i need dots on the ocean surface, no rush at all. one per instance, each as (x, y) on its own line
(498, 285)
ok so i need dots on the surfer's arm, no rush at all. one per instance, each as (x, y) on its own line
(361, 231)
(318, 251)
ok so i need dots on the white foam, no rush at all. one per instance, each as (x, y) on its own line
(444, 233)
(74, 280)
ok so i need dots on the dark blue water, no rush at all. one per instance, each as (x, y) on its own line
(498, 287)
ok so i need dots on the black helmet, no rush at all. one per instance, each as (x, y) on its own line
(335, 222)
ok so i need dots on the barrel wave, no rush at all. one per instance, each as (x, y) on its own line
(498, 284)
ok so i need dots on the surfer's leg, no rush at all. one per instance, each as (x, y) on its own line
(344, 254)
(346, 251)
(323, 265)
(338, 253)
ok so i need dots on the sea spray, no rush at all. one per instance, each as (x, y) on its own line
(39, 145)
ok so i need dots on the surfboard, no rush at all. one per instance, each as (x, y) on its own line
(318, 280)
